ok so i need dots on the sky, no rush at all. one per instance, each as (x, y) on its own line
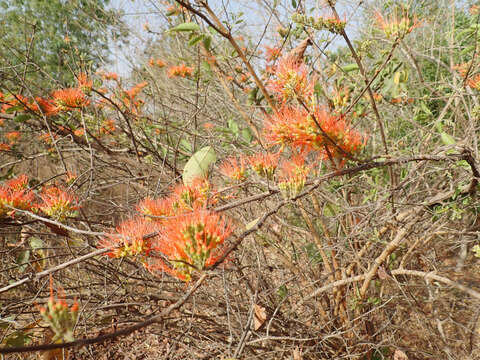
(141, 12)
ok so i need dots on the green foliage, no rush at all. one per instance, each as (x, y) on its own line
(198, 165)
(56, 36)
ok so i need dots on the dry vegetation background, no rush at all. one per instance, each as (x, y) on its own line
(374, 259)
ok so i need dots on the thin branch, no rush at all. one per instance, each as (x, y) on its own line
(123, 332)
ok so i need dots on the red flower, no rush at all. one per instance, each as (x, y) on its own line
(134, 237)
(110, 76)
(272, 54)
(181, 70)
(58, 203)
(134, 91)
(396, 26)
(19, 183)
(160, 208)
(14, 193)
(108, 127)
(191, 242)
(264, 164)
(294, 173)
(59, 317)
(14, 100)
(233, 169)
(323, 132)
(290, 79)
(70, 98)
(13, 136)
(84, 83)
(474, 82)
(47, 106)
(193, 196)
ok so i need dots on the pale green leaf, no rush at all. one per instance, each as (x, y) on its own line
(186, 27)
(447, 139)
(197, 166)
(251, 224)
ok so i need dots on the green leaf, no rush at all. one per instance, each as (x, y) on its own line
(36, 243)
(294, 4)
(251, 224)
(247, 135)
(21, 117)
(425, 109)
(462, 34)
(22, 260)
(185, 145)
(205, 66)
(186, 27)
(207, 42)
(198, 164)
(350, 67)
(13, 109)
(233, 126)
(282, 291)
(447, 139)
(467, 50)
(195, 39)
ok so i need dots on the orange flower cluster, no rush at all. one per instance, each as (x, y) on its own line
(131, 238)
(127, 99)
(85, 84)
(108, 127)
(290, 80)
(234, 169)
(181, 70)
(13, 136)
(160, 63)
(463, 69)
(326, 133)
(15, 194)
(58, 203)
(192, 242)
(61, 100)
(396, 26)
(109, 76)
(60, 318)
(272, 54)
(293, 176)
(45, 106)
(134, 91)
(474, 82)
(264, 164)
(174, 10)
(179, 227)
(70, 98)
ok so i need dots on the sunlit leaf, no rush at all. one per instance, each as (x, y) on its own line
(190, 26)
(198, 165)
